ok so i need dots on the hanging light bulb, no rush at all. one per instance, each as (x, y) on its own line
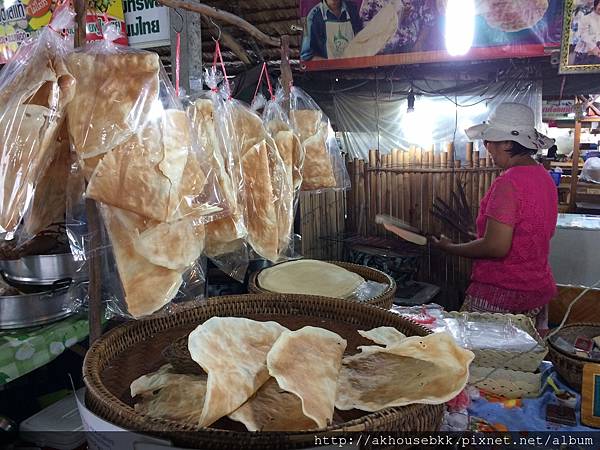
(460, 26)
(411, 101)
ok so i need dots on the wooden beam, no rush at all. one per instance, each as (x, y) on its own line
(286, 72)
(575, 167)
(227, 17)
(228, 41)
(93, 262)
(80, 16)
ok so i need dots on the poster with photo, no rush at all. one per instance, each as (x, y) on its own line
(342, 34)
(580, 50)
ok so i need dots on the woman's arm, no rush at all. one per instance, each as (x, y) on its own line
(495, 243)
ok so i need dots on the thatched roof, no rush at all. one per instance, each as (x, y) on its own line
(273, 17)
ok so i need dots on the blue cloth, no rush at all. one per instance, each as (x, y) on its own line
(532, 415)
(314, 42)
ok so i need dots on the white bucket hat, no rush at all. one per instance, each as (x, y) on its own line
(511, 122)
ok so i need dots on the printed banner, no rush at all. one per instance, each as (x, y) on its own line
(24, 19)
(147, 23)
(342, 34)
(558, 109)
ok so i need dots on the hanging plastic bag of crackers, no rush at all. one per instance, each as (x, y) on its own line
(279, 127)
(324, 168)
(139, 158)
(212, 117)
(36, 87)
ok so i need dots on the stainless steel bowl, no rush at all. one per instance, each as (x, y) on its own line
(44, 269)
(28, 310)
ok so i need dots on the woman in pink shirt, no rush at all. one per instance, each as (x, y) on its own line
(517, 219)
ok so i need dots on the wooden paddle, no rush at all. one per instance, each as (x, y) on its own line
(401, 229)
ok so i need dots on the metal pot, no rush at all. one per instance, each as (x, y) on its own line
(44, 269)
(27, 310)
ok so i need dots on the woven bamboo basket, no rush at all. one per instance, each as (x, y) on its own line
(568, 365)
(384, 300)
(528, 361)
(506, 383)
(135, 348)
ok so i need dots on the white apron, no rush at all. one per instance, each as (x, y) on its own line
(339, 35)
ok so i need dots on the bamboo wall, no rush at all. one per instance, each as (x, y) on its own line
(322, 224)
(403, 184)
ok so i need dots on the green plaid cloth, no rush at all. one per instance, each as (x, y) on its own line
(26, 349)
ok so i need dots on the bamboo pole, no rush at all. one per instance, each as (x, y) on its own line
(475, 183)
(396, 186)
(372, 191)
(444, 177)
(364, 194)
(405, 188)
(378, 190)
(437, 178)
(490, 174)
(468, 179)
(412, 158)
(482, 179)
(392, 194)
(575, 167)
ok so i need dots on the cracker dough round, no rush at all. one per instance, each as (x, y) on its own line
(309, 277)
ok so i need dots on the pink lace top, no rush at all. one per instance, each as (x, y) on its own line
(526, 198)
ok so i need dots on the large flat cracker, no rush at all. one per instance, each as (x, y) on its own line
(233, 351)
(114, 98)
(167, 395)
(147, 287)
(129, 176)
(432, 369)
(260, 202)
(273, 409)
(313, 351)
(317, 170)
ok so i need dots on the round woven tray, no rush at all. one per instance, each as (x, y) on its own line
(385, 300)
(134, 349)
(568, 365)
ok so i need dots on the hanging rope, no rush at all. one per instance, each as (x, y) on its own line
(264, 72)
(219, 57)
(178, 52)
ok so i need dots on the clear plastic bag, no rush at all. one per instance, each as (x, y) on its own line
(154, 184)
(269, 195)
(324, 167)
(367, 291)
(225, 238)
(479, 334)
(291, 151)
(35, 89)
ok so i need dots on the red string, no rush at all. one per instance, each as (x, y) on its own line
(266, 73)
(220, 57)
(177, 61)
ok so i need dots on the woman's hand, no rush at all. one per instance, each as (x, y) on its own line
(443, 243)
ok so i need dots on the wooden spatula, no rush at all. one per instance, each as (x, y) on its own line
(401, 229)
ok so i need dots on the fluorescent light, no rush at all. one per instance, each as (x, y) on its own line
(460, 26)
(571, 115)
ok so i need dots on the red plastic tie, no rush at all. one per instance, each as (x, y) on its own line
(220, 57)
(264, 71)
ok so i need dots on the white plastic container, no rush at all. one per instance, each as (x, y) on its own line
(58, 426)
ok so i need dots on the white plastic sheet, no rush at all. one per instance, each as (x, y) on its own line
(367, 121)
